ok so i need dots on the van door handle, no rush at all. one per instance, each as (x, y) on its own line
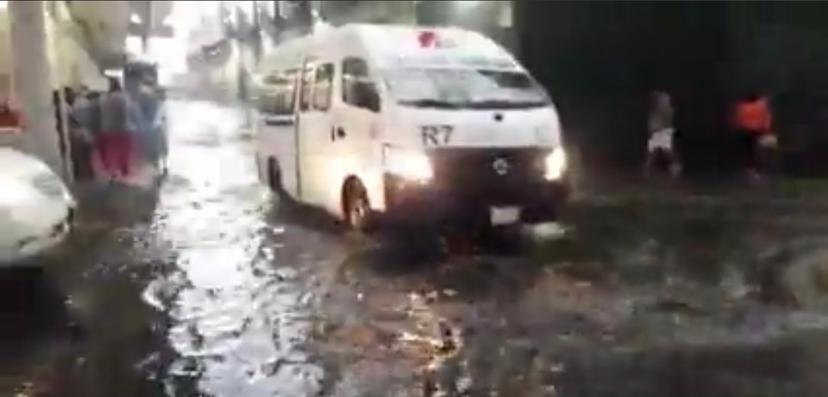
(340, 132)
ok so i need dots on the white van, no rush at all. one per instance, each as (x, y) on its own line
(423, 124)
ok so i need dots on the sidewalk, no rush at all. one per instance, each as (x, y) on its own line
(775, 194)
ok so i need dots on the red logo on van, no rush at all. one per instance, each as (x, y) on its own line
(428, 39)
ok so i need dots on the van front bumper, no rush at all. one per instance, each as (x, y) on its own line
(416, 203)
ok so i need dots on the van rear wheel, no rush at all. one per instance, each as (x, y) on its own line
(274, 177)
(355, 206)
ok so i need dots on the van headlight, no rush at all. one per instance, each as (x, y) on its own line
(555, 164)
(408, 164)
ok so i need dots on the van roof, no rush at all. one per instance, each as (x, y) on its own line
(429, 45)
(391, 44)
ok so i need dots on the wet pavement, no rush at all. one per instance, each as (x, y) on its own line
(206, 286)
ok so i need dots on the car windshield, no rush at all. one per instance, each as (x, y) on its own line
(464, 88)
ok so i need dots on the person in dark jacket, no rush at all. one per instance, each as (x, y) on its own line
(81, 135)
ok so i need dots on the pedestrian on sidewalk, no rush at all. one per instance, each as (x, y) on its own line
(661, 153)
(144, 119)
(115, 141)
(81, 134)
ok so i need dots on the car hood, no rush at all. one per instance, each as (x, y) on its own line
(35, 205)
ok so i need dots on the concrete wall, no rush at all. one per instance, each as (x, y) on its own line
(492, 18)
(105, 26)
(5, 61)
(71, 64)
(33, 82)
(343, 12)
(41, 55)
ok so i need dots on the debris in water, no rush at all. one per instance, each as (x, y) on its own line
(672, 304)
(431, 296)
(557, 368)
(447, 338)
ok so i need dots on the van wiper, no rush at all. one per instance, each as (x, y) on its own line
(431, 103)
(502, 104)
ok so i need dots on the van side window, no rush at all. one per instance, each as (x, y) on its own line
(307, 87)
(323, 87)
(278, 93)
(357, 87)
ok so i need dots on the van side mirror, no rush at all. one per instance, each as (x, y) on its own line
(367, 96)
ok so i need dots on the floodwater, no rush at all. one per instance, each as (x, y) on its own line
(206, 286)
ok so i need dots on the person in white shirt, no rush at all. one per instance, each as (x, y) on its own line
(661, 154)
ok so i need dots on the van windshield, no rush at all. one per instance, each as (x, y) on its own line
(464, 88)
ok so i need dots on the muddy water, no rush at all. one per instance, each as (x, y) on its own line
(239, 311)
(619, 301)
(196, 288)
(204, 287)
(678, 303)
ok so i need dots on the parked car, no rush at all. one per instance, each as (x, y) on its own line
(36, 208)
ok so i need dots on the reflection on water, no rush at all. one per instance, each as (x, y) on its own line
(237, 323)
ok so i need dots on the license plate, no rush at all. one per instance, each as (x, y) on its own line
(504, 215)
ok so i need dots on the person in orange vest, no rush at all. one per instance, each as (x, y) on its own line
(752, 122)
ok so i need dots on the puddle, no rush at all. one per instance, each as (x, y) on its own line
(239, 318)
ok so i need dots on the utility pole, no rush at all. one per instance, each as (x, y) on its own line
(147, 31)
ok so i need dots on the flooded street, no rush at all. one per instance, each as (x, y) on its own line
(205, 286)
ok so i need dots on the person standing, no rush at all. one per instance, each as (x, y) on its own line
(752, 123)
(62, 104)
(661, 154)
(81, 135)
(142, 118)
(115, 142)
